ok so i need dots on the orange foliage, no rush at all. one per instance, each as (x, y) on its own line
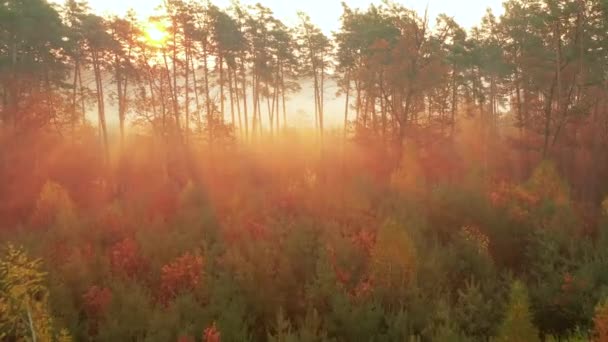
(601, 323)
(362, 291)
(211, 334)
(112, 222)
(125, 258)
(365, 240)
(342, 276)
(516, 199)
(164, 203)
(97, 300)
(96, 303)
(182, 274)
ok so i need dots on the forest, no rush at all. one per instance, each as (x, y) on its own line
(155, 184)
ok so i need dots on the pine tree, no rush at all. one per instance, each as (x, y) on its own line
(517, 325)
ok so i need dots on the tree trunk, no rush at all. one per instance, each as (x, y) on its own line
(74, 117)
(231, 93)
(221, 66)
(454, 102)
(187, 94)
(238, 100)
(196, 97)
(244, 87)
(346, 104)
(101, 106)
(207, 94)
(283, 98)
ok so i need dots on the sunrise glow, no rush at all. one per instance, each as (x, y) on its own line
(155, 33)
(319, 170)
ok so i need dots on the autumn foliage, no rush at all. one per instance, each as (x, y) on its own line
(181, 275)
(159, 182)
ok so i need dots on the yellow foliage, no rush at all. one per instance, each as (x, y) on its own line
(24, 311)
(476, 237)
(393, 257)
(64, 336)
(546, 183)
(54, 206)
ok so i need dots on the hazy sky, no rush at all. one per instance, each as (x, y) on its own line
(325, 13)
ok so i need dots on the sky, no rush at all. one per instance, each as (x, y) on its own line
(325, 13)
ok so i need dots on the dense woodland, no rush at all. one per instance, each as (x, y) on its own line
(155, 187)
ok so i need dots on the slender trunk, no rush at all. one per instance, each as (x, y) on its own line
(163, 104)
(172, 93)
(196, 97)
(316, 93)
(187, 93)
(548, 111)
(207, 93)
(49, 97)
(259, 108)
(221, 66)
(74, 117)
(231, 93)
(244, 87)
(454, 102)
(358, 102)
(101, 105)
(522, 152)
(366, 109)
(321, 99)
(383, 109)
(238, 100)
(151, 85)
(283, 98)
(119, 92)
(346, 104)
(270, 110)
(558, 71)
(373, 114)
(276, 101)
(174, 89)
(82, 96)
(254, 94)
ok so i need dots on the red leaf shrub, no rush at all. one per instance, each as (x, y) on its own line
(182, 274)
(96, 300)
(125, 258)
(211, 334)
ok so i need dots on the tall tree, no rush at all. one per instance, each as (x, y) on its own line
(315, 50)
(98, 45)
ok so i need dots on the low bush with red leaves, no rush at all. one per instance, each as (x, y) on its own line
(211, 334)
(125, 258)
(96, 301)
(182, 274)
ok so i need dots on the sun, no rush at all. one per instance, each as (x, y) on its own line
(155, 33)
